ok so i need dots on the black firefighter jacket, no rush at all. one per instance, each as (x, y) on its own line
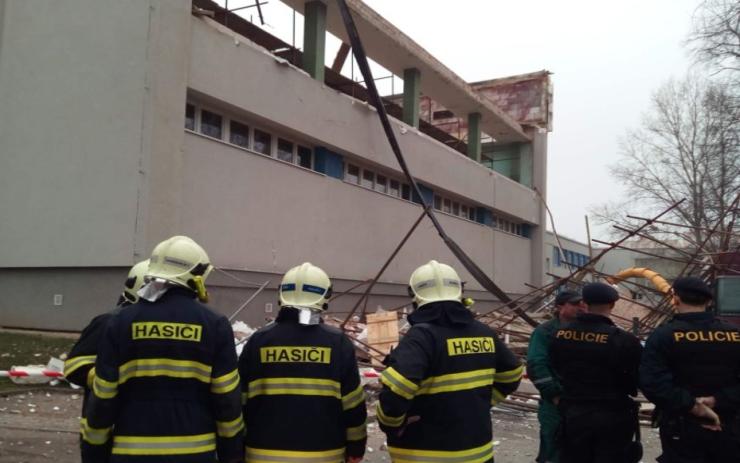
(303, 401)
(166, 385)
(439, 385)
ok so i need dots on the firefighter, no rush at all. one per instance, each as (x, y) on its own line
(444, 376)
(691, 371)
(301, 386)
(79, 366)
(596, 363)
(166, 385)
(568, 304)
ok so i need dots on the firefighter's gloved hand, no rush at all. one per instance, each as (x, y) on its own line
(353, 459)
(409, 421)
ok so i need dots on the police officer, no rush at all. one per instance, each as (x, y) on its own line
(568, 304)
(79, 366)
(597, 364)
(444, 376)
(301, 385)
(691, 371)
(166, 386)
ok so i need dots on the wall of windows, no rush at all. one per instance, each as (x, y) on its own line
(568, 258)
(245, 135)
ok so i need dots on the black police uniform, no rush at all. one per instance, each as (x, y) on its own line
(439, 385)
(597, 364)
(166, 385)
(694, 355)
(302, 394)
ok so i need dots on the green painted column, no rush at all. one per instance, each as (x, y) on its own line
(411, 96)
(474, 136)
(314, 39)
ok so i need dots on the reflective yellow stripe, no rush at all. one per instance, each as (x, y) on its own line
(94, 436)
(357, 432)
(398, 384)
(90, 377)
(164, 445)
(294, 386)
(497, 397)
(354, 398)
(286, 456)
(104, 389)
(457, 381)
(226, 383)
(392, 421)
(509, 376)
(475, 455)
(244, 398)
(230, 428)
(73, 363)
(185, 369)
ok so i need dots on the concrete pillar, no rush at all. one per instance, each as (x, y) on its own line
(314, 39)
(539, 181)
(474, 145)
(411, 96)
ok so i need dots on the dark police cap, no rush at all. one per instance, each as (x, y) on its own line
(599, 293)
(692, 286)
(567, 296)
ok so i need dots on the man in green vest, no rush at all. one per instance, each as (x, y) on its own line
(568, 304)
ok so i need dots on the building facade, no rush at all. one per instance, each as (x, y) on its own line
(124, 123)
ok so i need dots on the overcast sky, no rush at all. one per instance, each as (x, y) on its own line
(606, 58)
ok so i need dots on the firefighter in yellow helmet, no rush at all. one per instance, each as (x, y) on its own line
(444, 376)
(166, 386)
(79, 366)
(300, 381)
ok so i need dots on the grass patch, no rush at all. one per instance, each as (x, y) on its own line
(29, 349)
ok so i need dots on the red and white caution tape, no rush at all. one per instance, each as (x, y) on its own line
(30, 373)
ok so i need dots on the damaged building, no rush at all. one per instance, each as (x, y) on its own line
(125, 123)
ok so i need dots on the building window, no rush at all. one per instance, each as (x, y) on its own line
(368, 178)
(556, 256)
(189, 117)
(395, 188)
(353, 174)
(304, 157)
(406, 192)
(211, 124)
(437, 203)
(262, 142)
(381, 184)
(455, 208)
(446, 205)
(239, 134)
(471, 214)
(285, 150)
(464, 211)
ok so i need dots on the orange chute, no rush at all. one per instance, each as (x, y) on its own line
(639, 272)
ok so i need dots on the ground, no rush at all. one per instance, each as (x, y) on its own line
(39, 424)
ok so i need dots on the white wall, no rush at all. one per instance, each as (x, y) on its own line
(251, 211)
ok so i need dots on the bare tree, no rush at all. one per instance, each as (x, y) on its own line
(687, 147)
(715, 38)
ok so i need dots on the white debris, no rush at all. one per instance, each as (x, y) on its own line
(242, 332)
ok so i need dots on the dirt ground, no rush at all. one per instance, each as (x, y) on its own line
(42, 426)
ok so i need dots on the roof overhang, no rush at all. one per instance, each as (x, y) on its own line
(392, 49)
